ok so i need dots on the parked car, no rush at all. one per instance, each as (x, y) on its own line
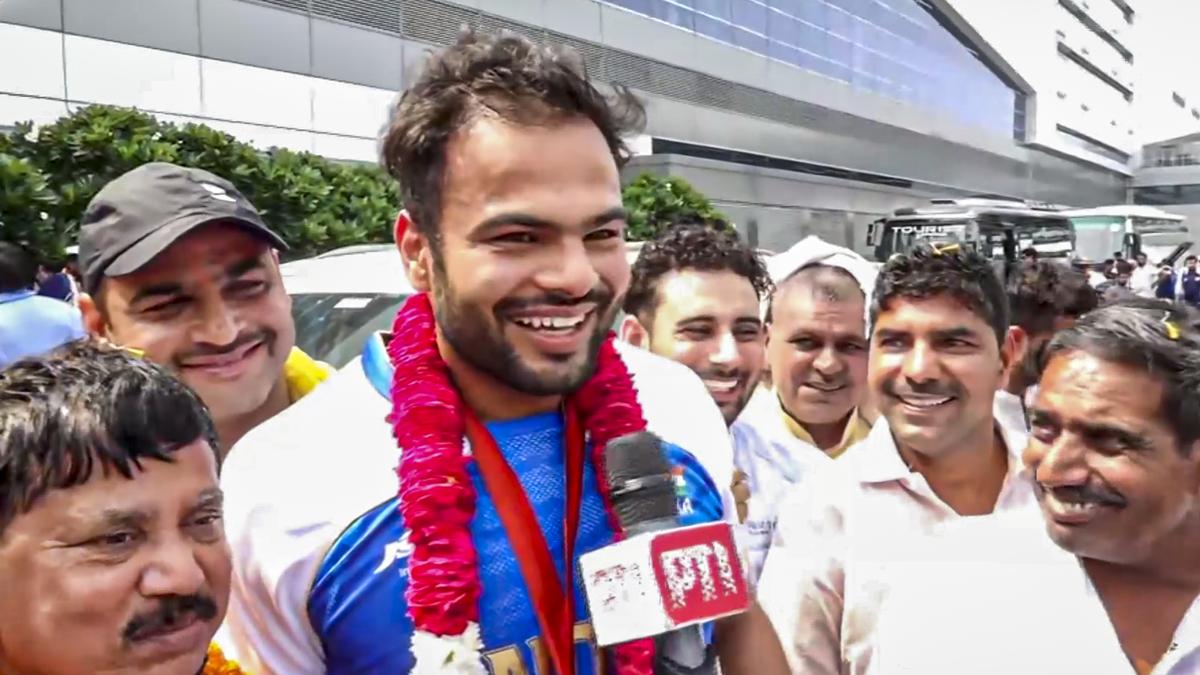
(341, 297)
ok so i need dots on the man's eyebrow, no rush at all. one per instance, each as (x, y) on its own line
(529, 220)
(241, 267)
(955, 332)
(164, 289)
(130, 518)
(213, 497)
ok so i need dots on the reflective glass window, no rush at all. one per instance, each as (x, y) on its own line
(896, 48)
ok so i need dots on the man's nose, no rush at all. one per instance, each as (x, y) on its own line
(217, 325)
(173, 570)
(827, 362)
(570, 270)
(1060, 463)
(726, 352)
(920, 363)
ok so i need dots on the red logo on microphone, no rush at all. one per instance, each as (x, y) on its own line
(698, 573)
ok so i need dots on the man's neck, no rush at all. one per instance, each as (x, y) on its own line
(825, 436)
(489, 398)
(230, 431)
(968, 480)
(1147, 601)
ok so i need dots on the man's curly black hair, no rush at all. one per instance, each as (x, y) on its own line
(964, 275)
(1039, 293)
(690, 246)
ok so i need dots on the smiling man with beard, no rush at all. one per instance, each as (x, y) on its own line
(495, 391)
(112, 547)
(694, 298)
(179, 265)
(936, 457)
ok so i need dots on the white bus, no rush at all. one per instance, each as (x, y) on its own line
(1130, 229)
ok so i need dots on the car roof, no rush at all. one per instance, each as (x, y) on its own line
(374, 269)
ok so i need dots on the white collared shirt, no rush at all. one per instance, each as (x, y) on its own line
(1009, 410)
(850, 535)
(1003, 599)
(775, 462)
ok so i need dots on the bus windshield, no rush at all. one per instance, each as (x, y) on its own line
(1050, 238)
(1098, 237)
(905, 235)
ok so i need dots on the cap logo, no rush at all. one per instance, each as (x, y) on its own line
(218, 192)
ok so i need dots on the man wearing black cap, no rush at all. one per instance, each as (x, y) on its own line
(179, 265)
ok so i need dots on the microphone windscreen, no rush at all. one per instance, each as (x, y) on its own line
(640, 477)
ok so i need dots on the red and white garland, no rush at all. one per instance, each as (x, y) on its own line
(437, 498)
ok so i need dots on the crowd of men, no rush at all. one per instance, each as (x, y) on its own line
(939, 471)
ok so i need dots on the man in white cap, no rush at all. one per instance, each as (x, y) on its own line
(817, 358)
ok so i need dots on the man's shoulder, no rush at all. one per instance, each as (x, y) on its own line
(674, 401)
(324, 460)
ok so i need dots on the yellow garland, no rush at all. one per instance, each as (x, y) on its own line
(217, 664)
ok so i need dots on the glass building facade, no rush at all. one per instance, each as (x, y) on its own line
(896, 48)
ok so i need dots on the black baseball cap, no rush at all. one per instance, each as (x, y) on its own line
(140, 214)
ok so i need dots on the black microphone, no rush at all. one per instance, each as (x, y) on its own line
(643, 497)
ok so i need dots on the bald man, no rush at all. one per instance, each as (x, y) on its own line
(817, 357)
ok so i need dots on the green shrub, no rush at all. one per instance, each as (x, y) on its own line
(654, 202)
(47, 179)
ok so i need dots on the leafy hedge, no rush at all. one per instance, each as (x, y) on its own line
(47, 179)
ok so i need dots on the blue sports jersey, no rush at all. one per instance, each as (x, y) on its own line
(356, 605)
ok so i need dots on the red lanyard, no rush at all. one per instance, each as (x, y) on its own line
(555, 608)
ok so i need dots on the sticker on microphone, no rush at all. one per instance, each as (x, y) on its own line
(660, 581)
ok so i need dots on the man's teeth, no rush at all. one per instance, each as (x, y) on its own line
(825, 387)
(551, 322)
(721, 385)
(1073, 506)
(925, 402)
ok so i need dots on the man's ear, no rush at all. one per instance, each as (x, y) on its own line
(633, 332)
(415, 251)
(93, 320)
(1016, 343)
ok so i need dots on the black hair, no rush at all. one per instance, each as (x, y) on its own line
(1040, 292)
(827, 282)
(17, 269)
(507, 76)
(690, 246)
(961, 274)
(1160, 337)
(84, 407)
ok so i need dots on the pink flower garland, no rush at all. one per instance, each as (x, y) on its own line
(437, 498)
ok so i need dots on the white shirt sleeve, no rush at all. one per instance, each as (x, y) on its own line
(267, 619)
(802, 589)
(679, 409)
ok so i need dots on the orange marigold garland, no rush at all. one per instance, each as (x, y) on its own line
(217, 664)
(437, 498)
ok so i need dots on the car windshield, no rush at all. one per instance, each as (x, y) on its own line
(333, 327)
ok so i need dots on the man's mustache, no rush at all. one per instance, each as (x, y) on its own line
(1087, 494)
(171, 612)
(601, 296)
(266, 336)
(921, 389)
